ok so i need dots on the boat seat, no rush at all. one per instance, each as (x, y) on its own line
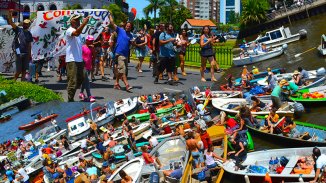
(290, 165)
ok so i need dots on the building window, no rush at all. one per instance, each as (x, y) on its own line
(230, 2)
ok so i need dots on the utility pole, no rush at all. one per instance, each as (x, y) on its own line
(286, 10)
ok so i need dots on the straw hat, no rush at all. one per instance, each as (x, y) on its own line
(283, 82)
(74, 17)
(296, 72)
(27, 21)
(269, 69)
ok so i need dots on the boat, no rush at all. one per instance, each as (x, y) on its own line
(160, 112)
(171, 151)
(316, 132)
(258, 164)
(162, 105)
(45, 135)
(315, 95)
(21, 103)
(322, 47)
(132, 168)
(78, 126)
(280, 36)
(259, 76)
(232, 106)
(216, 94)
(316, 78)
(142, 100)
(260, 56)
(4, 117)
(125, 106)
(36, 123)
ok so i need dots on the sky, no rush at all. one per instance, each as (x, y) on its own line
(139, 5)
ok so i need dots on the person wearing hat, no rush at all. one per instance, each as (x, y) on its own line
(89, 55)
(255, 70)
(74, 57)
(22, 46)
(122, 52)
(320, 162)
(297, 78)
(291, 87)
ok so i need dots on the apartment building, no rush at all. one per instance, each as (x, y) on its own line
(203, 9)
(227, 6)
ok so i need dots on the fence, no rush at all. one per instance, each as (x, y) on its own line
(223, 56)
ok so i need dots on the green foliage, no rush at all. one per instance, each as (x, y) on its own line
(153, 7)
(179, 15)
(118, 15)
(234, 18)
(254, 12)
(73, 7)
(34, 92)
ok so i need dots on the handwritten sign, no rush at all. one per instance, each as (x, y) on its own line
(7, 57)
(49, 30)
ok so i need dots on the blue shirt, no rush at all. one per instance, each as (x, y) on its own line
(10, 175)
(177, 174)
(166, 50)
(304, 74)
(123, 42)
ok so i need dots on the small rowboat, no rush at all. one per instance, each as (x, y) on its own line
(4, 117)
(132, 168)
(34, 124)
(259, 76)
(311, 95)
(316, 132)
(216, 94)
(261, 56)
(162, 106)
(125, 107)
(163, 98)
(258, 164)
(232, 106)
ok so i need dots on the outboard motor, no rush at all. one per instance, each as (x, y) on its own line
(285, 46)
(321, 71)
(303, 33)
(298, 109)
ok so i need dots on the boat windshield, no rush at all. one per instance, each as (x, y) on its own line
(44, 132)
(264, 39)
(276, 34)
(131, 169)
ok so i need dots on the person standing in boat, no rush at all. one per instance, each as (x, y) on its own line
(193, 147)
(54, 123)
(277, 92)
(320, 162)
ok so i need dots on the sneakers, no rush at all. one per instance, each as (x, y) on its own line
(140, 71)
(81, 96)
(92, 99)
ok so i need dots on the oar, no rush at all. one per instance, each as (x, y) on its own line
(297, 55)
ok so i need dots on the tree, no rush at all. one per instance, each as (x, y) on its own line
(172, 5)
(153, 7)
(254, 11)
(118, 14)
(73, 7)
(179, 15)
(234, 18)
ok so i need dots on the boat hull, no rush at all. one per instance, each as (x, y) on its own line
(34, 124)
(257, 58)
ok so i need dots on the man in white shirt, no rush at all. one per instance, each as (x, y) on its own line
(74, 60)
(152, 141)
(320, 160)
(22, 174)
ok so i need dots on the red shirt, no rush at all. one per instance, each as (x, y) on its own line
(231, 123)
(149, 39)
(187, 108)
(148, 158)
(205, 139)
(47, 150)
(105, 39)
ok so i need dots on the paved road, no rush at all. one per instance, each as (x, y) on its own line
(143, 83)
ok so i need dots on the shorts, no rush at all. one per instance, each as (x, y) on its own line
(121, 67)
(198, 157)
(140, 52)
(167, 63)
(22, 62)
(104, 52)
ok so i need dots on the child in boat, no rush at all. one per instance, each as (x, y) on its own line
(230, 123)
(288, 126)
(304, 166)
(196, 90)
(210, 157)
(150, 159)
(230, 82)
(257, 104)
(271, 120)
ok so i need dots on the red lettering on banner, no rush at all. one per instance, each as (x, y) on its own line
(54, 14)
(62, 42)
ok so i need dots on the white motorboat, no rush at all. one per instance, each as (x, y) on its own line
(132, 168)
(260, 56)
(232, 106)
(322, 47)
(78, 126)
(258, 162)
(216, 94)
(280, 36)
(164, 97)
(126, 106)
(47, 134)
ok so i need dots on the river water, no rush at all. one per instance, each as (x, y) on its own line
(315, 27)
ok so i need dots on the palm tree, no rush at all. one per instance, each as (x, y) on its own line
(254, 11)
(172, 4)
(153, 7)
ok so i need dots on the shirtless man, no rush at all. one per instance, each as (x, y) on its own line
(193, 146)
(94, 129)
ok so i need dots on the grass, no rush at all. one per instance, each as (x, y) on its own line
(223, 55)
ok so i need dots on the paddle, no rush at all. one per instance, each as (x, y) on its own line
(297, 55)
(38, 112)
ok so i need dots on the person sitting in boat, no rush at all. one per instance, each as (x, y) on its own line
(179, 131)
(150, 159)
(255, 70)
(257, 104)
(304, 166)
(175, 173)
(245, 83)
(264, 47)
(288, 126)
(230, 123)
(108, 155)
(270, 122)
(134, 121)
(271, 81)
(196, 91)
(289, 88)
(210, 158)
(241, 132)
(125, 178)
(320, 162)
(156, 130)
(120, 102)
(246, 115)
(230, 82)
(150, 99)
(106, 170)
(193, 147)
(129, 153)
(38, 118)
(152, 141)
(304, 74)
(297, 78)
(239, 154)
(175, 116)
(242, 53)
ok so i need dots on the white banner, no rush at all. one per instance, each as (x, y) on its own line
(49, 30)
(7, 57)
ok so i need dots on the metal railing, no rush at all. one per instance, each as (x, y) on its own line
(223, 55)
